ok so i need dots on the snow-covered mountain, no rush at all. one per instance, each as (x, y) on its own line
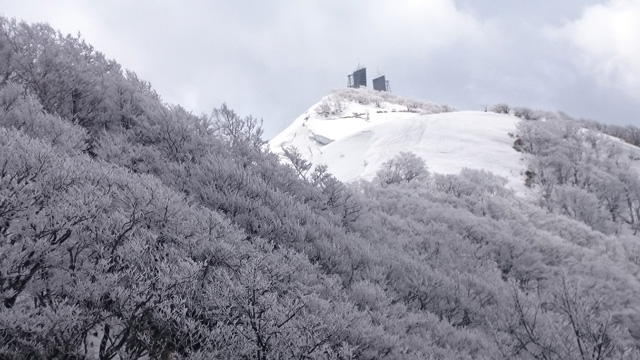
(133, 229)
(354, 131)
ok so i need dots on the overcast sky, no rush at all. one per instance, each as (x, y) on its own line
(276, 58)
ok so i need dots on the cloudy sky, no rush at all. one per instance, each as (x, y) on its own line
(276, 58)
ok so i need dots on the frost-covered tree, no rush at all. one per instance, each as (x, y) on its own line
(236, 130)
(500, 108)
(405, 167)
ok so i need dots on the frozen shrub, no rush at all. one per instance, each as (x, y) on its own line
(330, 106)
(523, 113)
(499, 108)
(366, 96)
(405, 167)
(21, 111)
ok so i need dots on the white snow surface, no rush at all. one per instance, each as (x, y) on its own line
(355, 144)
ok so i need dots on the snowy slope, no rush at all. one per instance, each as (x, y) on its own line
(628, 151)
(357, 141)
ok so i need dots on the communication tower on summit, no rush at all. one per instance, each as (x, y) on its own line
(358, 78)
(381, 84)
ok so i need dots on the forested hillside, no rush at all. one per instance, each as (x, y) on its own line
(132, 229)
(582, 173)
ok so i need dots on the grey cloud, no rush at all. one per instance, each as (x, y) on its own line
(274, 59)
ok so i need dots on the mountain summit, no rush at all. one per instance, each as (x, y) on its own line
(353, 131)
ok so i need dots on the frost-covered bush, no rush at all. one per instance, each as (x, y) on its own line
(330, 106)
(500, 108)
(471, 182)
(523, 113)
(20, 111)
(405, 167)
(366, 96)
(526, 113)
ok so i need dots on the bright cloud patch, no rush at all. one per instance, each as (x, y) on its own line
(329, 32)
(607, 36)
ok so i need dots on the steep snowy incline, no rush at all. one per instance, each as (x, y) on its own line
(311, 131)
(356, 143)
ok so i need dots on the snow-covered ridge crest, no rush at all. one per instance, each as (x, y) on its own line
(333, 104)
(353, 131)
(358, 108)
